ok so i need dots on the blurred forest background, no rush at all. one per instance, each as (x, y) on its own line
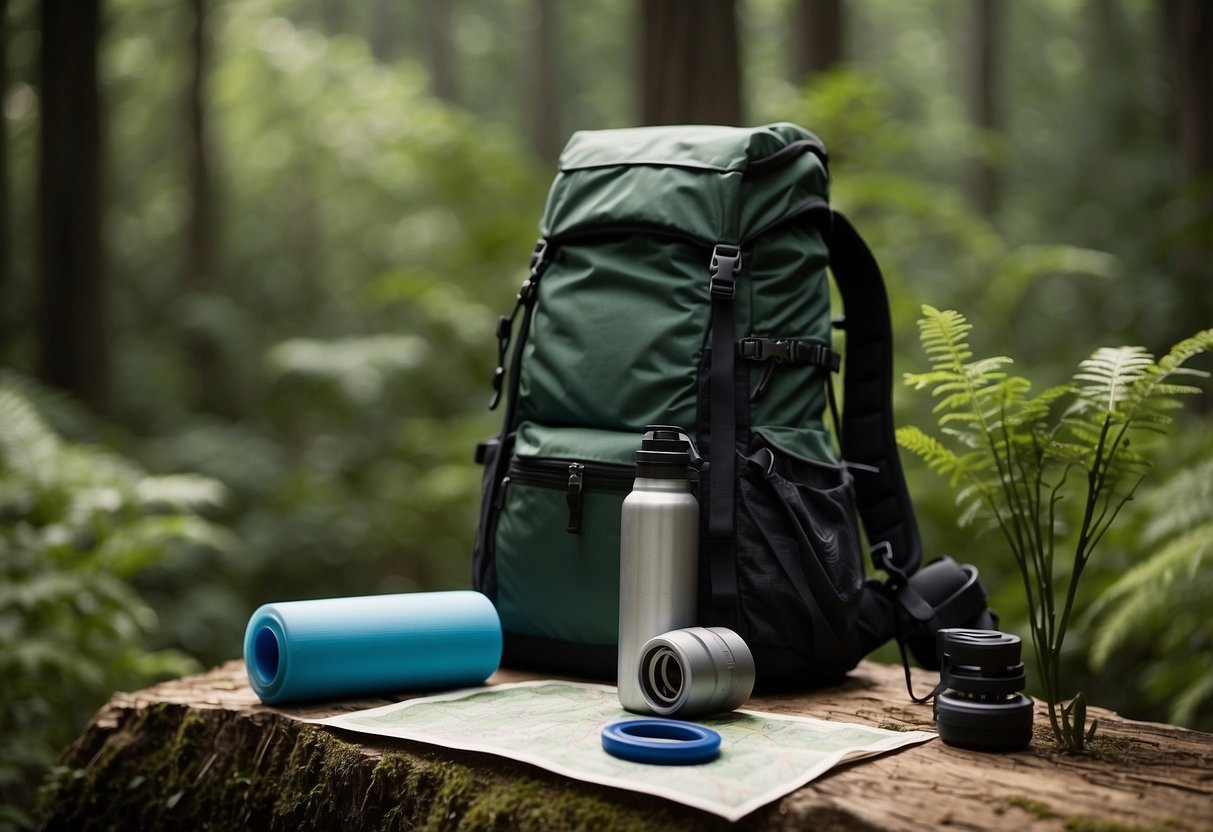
(251, 255)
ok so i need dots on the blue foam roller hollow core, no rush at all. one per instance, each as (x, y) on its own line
(332, 648)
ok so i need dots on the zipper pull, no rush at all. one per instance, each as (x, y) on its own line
(573, 497)
(765, 382)
(499, 504)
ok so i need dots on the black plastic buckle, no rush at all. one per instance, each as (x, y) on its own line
(726, 263)
(882, 558)
(750, 348)
(778, 350)
(766, 349)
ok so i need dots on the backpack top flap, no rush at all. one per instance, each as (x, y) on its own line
(624, 304)
(707, 183)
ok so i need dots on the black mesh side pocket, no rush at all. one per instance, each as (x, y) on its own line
(799, 565)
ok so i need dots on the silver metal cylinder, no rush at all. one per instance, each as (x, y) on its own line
(658, 571)
(695, 672)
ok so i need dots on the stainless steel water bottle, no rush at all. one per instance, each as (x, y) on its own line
(658, 552)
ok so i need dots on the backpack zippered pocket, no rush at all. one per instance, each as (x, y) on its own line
(556, 542)
(574, 477)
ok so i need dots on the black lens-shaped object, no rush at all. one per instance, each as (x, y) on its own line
(980, 706)
(695, 672)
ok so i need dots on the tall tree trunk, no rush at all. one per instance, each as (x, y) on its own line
(74, 349)
(818, 31)
(437, 26)
(690, 65)
(383, 34)
(204, 352)
(543, 89)
(982, 98)
(1190, 29)
(335, 16)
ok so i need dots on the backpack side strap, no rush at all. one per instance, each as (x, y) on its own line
(722, 438)
(867, 437)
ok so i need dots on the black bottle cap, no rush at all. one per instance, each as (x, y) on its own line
(665, 452)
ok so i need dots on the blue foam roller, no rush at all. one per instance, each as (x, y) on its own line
(333, 648)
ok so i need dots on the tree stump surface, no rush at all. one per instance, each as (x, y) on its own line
(204, 753)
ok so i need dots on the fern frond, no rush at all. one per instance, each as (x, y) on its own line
(1038, 408)
(1106, 377)
(1145, 589)
(974, 394)
(966, 416)
(1178, 389)
(985, 368)
(972, 510)
(1067, 453)
(944, 337)
(1188, 699)
(938, 457)
(974, 504)
(953, 402)
(81, 467)
(1185, 351)
(1085, 430)
(1181, 503)
(1179, 559)
(64, 415)
(28, 447)
(181, 492)
(932, 378)
(1152, 393)
(1014, 388)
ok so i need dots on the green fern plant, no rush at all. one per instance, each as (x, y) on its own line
(1015, 458)
(1159, 599)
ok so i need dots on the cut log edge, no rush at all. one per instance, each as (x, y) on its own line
(204, 752)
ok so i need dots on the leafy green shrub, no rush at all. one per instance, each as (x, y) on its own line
(1016, 455)
(77, 524)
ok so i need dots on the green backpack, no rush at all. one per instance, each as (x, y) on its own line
(681, 279)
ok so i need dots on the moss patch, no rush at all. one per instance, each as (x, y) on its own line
(170, 767)
(1085, 824)
(1032, 807)
(1111, 748)
(1080, 823)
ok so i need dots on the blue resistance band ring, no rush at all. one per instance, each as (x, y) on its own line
(661, 741)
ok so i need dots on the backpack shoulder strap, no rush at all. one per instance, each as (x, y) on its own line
(866, 433)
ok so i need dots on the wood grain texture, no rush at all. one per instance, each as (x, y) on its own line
(202, 752)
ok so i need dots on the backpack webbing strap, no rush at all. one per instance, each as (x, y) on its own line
(867, 419)
(527, 295)
(725, 264)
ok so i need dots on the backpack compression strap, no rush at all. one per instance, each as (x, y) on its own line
(724, 266)
(867, 436)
